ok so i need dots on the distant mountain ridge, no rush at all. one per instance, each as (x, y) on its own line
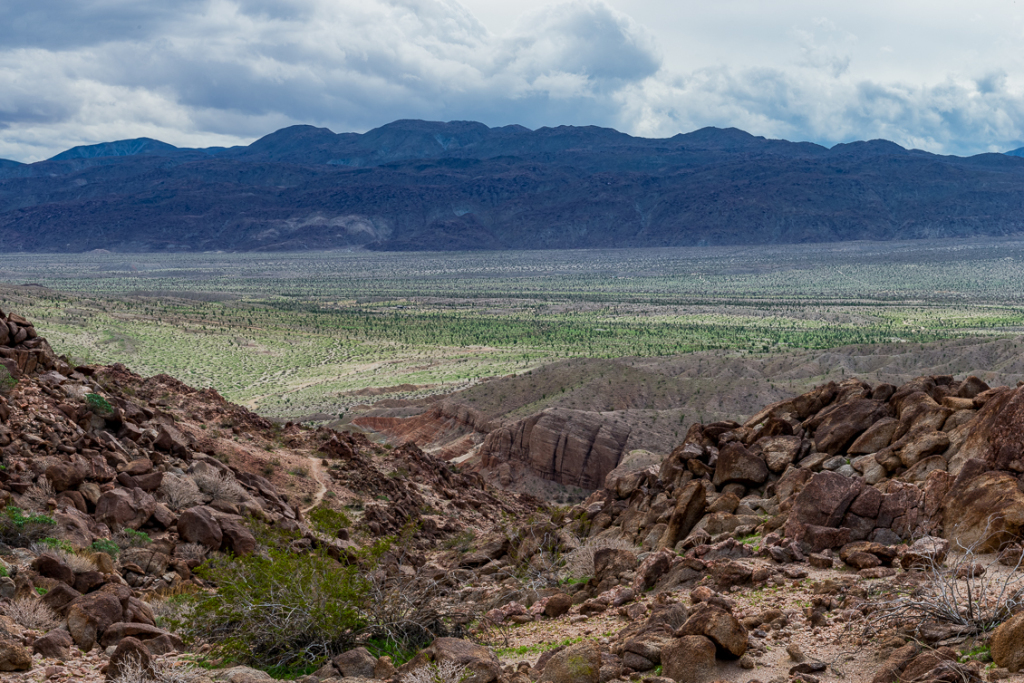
(419, 185)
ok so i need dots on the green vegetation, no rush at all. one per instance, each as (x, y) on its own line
(294, 335)
(105, 545)
(130, 538)
(19, 530)
(56, 544)
(7, 381)
(99, 405)
(538, 648)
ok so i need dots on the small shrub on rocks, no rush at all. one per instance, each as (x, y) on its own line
(30, 613)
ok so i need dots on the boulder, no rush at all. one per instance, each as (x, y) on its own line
(846, 423)
(824, 500)
(237, 539)
(579, 663)
(14, 656)
(896, 663)
(489, 548)
(985, 511)
(199, 525)
(690, 659)
(54, 645)
(651, 569)
(689, 509)
(925, 552)
(93, 614)
(557, 605)
(129, 651)
(923, 445)
(357, 663)
(875, 438)
(610, 563)
(51, 567)
(125, 508)
(480, 662)
(738, 465)
(722, 628)
(115, 633)
(1008, 644)
(780, 451)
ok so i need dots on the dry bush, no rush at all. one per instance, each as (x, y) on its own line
(180, 492)
(190, 551)
(579, 563)
(132, 671)
(38, 493)
(72, 560)
(220, 486)
(967, 590)
(437, 672)
(31, 614)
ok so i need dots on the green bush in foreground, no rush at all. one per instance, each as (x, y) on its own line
(99, 405)
(277, 608)
(7, 381)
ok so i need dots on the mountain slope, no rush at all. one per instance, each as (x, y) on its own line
(417, 185)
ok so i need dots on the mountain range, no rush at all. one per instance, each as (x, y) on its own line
(418, 185)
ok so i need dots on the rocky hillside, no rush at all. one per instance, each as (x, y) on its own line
(418, 185)
(869, 532)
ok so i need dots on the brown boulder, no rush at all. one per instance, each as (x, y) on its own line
(14, 656)
(125, 508)
(984, 511)
(63, 476)
(690, 659)
(1008, 644)
(100, 609)
(357, 663)
(923, 445)
(557, 605)
(54, 645)
(875, 438)
(579, 663)
(481, 663)
(722, 628)
(689, 509)
(51, 567)
(651, 569)
(825, 499)
(199, 525)
(59, 597)
(237, 539)
(610, 563)
(925, 552)
(846, 422)
(780, 451)
(738, 465)
(115, 633)
(128, 652)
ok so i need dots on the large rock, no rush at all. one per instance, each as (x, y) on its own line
(125, 508)
(690, 503)
(481, 663)
(780, 451)
(738, 465)
(722, 628)
(358, 663)
(572, 447)
(923, 445)
(651, 569)
(14, 656)
(199, 525)
(120, 631)
(690, 659)
(846, 422)
(983, 509)
(610, 563)
(128, 652)
(825, 499)
(54, 645)
(237, 539)
(875, 438)
(90, 615)
(1008, 644)
(799, 407)
(579, 663)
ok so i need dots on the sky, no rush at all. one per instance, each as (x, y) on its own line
(946, 77)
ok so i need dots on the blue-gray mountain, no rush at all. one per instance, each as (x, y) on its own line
(416, 185)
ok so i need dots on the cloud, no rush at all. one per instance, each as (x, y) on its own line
(225, 68)
(223, 72)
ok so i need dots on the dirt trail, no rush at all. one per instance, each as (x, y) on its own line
(316, 471)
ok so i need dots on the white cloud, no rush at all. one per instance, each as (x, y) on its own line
(222, 72)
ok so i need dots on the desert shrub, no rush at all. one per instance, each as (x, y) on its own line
(180, 492)
(220, 486)
(7, 381)
(99, 405)
(190, 551)
(437, 672)
(579, 562)
(132, 671)
(966, 590)
(20, 530)
(105, 545)
(328, 521)
(130, 538)
(277, 607)
(30, 613)
(40, 492)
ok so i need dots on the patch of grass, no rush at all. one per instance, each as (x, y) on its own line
(538, 648)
